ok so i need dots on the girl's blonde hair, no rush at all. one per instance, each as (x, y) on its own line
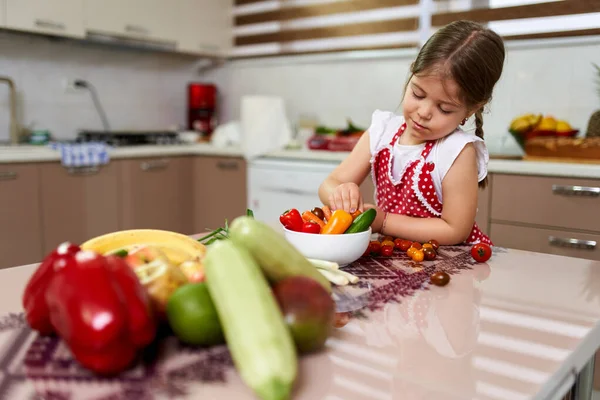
(472, 56)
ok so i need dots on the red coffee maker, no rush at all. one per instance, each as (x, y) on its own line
(202, 108)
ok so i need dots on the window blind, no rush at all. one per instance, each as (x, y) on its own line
(280, 27)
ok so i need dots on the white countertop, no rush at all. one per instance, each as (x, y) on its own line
(516, 327)
(31, 153)
(24, 154)
(519, 167)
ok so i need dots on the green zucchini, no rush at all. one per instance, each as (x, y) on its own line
(258, 339)
(363, 221)
(277, 257)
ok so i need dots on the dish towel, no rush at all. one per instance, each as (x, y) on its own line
(89, 154)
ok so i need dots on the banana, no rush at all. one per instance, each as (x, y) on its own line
(177, 247)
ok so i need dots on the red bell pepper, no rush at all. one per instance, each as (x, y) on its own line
(34, 296)
(311, 227)
(97, 305)
(292, 220)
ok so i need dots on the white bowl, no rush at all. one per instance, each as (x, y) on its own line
(342, 249)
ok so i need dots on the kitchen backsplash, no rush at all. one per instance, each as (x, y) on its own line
(138, 89)
(547, 78)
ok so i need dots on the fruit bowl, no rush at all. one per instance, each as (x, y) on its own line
(342, 249)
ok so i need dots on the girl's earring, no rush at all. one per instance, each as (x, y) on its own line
(464, 121)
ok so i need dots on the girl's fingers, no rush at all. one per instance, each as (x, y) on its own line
(347, 201)
(354, 200)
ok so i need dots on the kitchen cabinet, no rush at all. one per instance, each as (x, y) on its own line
(546, 214)
(483, 208)
(219, 191)
(2, 14)
(156, 193)
(140, 19)
(205, 27)
(53, 17)
(20, 222)
(78, 204)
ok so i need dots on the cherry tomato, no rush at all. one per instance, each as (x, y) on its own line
(374, 247)
(410, 251)
(428, 245)
(439, 278)
(387, 243)
(318, 212)
(416, 245)
(481, 252)
(387, 251)
(429, 253)
(418, 255)
(435, 244)
(387, 237)
(405, 245)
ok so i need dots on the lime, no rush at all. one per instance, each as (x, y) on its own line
(193, 317)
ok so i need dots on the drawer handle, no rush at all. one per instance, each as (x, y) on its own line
(232, 165)
(140, 30)
(154, 165)
(41, 23)
(8, 176)
(84, 171)
(574, 243)
(569, 190)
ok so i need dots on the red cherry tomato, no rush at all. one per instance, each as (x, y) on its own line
(387, 251)
(481, 252)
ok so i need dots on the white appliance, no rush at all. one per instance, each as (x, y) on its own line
(276, 185)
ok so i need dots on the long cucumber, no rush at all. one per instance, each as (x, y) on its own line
(277, 257)
(260, 343)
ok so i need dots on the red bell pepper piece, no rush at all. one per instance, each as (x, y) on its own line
(34, 296)
(311, 227)
(292, 220)
(96, 304)
(100, 309)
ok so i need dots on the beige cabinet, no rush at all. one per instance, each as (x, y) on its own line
(78, 204)
(140, 19)
(483, 208)
(20, 222)
(547, 214)
(205, 26)
(156, 193)
(53, 17)
(2, 14)
(220, 191)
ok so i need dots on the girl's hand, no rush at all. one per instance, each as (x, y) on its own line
(346, 197)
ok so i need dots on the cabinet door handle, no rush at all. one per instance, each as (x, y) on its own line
(573, 243)
(140, 30)
(7, 175)
(232, 165)
(570, 190)
(42, 23)
(154, 165)
(84, 171)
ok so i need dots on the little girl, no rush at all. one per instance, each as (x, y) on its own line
(425, 168)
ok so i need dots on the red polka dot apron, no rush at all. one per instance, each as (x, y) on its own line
(414, 194)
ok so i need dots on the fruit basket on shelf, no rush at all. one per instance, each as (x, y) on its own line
(548, 139)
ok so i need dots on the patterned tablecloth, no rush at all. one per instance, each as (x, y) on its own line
(35, 367)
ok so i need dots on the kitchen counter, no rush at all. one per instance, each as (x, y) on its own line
(18, 154)
(31, 153)
(502, 166)
(521, 326)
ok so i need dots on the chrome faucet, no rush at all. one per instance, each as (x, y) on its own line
(14, 124)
